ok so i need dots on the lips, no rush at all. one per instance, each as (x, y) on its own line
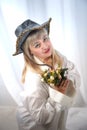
(47, 50)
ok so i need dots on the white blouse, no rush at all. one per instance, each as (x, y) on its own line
(46, 105)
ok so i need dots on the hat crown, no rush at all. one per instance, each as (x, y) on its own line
(26, 25)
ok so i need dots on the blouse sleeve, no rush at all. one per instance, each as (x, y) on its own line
(73, 73)
(37, 101)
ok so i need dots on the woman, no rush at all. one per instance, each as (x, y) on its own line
(44, 107)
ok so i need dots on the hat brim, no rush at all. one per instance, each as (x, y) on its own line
(21, 40)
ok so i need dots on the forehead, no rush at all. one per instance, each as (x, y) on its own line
(36, 35)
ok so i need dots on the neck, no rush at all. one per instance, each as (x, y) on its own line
(49, 61)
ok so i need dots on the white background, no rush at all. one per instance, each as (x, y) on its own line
(68, 34)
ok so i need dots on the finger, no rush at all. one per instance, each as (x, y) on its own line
(61, 89)
(63, 83)
(66, 83)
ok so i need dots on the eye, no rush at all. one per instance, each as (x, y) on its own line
(46, 38)
(36, 45)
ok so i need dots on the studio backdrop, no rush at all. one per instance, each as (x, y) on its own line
(68, 33)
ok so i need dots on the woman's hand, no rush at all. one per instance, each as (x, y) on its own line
(62, 87)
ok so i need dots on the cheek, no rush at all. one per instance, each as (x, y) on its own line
(49, 44)
(37, 52)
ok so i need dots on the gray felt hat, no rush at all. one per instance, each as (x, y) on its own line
(23, 31)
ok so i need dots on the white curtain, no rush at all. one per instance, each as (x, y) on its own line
(68, 34)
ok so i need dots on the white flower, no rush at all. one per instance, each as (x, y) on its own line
(51, 84)
(42, 79)
(51, 78)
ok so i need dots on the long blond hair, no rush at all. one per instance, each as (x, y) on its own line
(29, 58)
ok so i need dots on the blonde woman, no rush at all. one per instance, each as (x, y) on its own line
(44, 107)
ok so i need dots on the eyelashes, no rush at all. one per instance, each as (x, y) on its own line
(37, 44)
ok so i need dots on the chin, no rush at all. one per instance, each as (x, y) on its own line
(49, 55)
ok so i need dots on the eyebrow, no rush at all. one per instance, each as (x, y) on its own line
(37, 40)
(34, 43)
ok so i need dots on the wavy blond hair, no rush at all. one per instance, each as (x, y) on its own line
(29, 58)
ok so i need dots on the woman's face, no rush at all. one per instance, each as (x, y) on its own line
(41, 48)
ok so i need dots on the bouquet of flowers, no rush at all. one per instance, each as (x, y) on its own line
(53, 77)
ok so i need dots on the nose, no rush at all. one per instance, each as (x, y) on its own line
(44, 46)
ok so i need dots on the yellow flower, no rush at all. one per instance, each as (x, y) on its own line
(59, 76)
(54, 76)
(45, 74)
